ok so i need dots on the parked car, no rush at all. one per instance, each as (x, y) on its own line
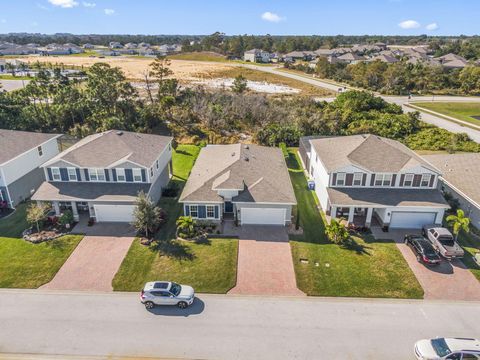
(423, 249)
(447, 348)
(443, 242)
(167, 293)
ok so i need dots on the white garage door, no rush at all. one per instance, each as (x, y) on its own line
(263, 216)
(411, 220)
(114, 213)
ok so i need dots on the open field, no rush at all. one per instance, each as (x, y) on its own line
(459, 110)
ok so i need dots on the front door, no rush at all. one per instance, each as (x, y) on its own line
(228, 207)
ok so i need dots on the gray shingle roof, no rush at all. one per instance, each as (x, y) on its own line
(260, 171)
(370, 152)
(89, 191)
(107, 148)
(386, 197)
(460, 170)
(14, 143)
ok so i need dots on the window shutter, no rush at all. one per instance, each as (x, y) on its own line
(114, 175)
(129, 175)
(402, 179)
(49, 172)
(432, 180)
(364, 179)
(79, 178)
(202, 211)
(349, 179)
(216, 212)
(372, 180)
(394, 179)
(107, 175)
(187, 210)
(63, 174)
(334, 179)
(144, 175)
(417, 179)
(87, 176)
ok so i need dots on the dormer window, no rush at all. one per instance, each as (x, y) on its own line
(137, 175)
(72, 174)
(96, 174)
(408, 180)
(425, 180)
(357, 179)
(56, 174)
(120, 174)
(340, 179)
(383, 179)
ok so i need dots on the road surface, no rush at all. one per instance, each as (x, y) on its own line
(226, 327)
(399, 100)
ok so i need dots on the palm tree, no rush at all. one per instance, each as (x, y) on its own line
(336, 232)
(459, 222)
(186, 225)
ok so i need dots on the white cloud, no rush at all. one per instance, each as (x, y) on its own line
(432, 26)
(109, 11)
(89, 4)
(409, 24)
(64, 3)
(272, 17)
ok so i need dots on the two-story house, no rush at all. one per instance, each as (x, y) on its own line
(21, 154)
(256, 56)
(249, 183)
(370, 180)
(102, 174)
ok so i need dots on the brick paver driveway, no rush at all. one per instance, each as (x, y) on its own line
(96, 260)
(448, 281)
(265, 265)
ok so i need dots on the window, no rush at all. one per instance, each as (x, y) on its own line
(151, 172)
(72, 174)
(137, 175)
(425, 180)
(56, 174)
(383, 179)
(157, 164)
(193, 211)
(120, 175)
(408, 180)
(357, 179)
(96, 174)
(340, 179)
(40, 151)
(210, 211)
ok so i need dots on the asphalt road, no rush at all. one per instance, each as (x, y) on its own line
(399, 100)
(226, 327)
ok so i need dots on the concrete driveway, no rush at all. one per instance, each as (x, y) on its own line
(96, 260)
(265, 265)
(447, 281)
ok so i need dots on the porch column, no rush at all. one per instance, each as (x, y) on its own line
(75, 211)
(368, 220)
(351, 213)
(57, 208)
(333, 212)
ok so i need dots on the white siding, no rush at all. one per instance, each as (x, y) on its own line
(321, 178)
(163, 160)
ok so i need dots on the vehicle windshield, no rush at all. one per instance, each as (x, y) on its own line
(440, 347)
(446, 240)
(175, 289)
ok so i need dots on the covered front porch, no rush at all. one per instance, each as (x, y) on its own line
(353, 216)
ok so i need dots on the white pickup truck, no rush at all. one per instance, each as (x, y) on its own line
(443, 241)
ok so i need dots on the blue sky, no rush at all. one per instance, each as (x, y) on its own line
(279, 17)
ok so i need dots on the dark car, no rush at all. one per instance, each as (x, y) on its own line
(423, 249)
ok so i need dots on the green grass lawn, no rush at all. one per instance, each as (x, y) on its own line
(209, 267)
(459, 110)
(368, 268)
(471, 245)
(26, 265)
(11, 77)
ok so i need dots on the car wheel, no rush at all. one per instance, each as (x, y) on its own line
(149, 305)
(182, 305)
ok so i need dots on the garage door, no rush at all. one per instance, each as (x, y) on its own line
(114, 213)
(411, 220)
(263, 216)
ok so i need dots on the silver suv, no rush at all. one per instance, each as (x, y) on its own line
(167, 293)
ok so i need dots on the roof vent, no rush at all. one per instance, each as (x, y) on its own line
(233, 153)
(247, 147)
(119, 133)
(246, 158)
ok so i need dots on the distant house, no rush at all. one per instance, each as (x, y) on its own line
(452, 61)
(386, 59)
(460, 173)
(300, 55)
(370, 180)
(130, 45)
(325, 52)
(350, 58)
(21, 155)
(381, 45)
(115, 45)
(256, 56)
(246, 183)
(88, 46)
(102, 174)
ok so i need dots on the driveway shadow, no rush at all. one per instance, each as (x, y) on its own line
(443, 268)
(195, 309)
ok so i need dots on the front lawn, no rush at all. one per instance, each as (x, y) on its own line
(459, 110)
(208, 267)
(471, 245)
(368, 268)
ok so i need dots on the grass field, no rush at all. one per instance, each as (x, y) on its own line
(199, 56)
(459, 110)
(368, 268)
(209, 267)
(26, 265)
(471, 245)
(11, 77)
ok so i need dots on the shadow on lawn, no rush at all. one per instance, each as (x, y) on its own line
(354, 245)
(174, 249)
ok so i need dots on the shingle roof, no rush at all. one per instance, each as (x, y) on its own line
(386, 197)
(14, 143)
(460, 170)
(370, 152)
(260, 171)
(109, 147)
(89, 191)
